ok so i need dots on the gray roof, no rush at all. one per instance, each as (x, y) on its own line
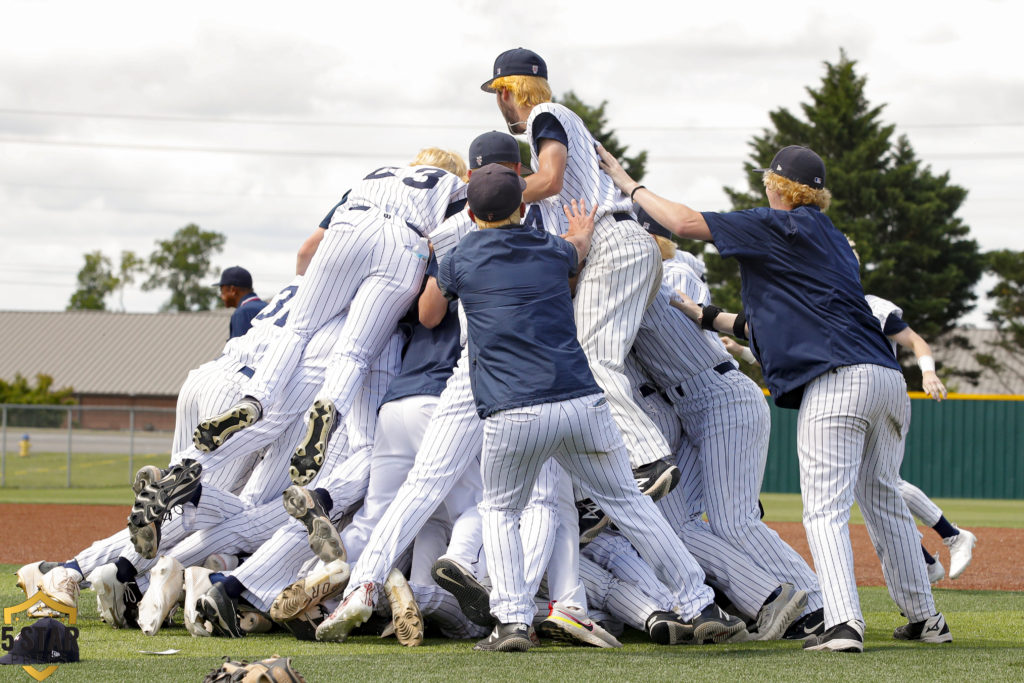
(97, 352)
(1008, 381)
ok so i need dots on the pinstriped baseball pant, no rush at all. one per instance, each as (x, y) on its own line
(850, 434)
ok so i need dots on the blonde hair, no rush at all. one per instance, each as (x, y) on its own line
(797, 194)
(527, 90)
(512, 219)
(442, 158)
(666, 246)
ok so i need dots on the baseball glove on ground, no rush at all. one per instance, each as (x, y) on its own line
(276, 669)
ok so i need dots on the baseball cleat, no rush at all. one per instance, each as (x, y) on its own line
(936, 572)
(507, 638)
(296, 599)
(62, 584)
(175, 488)
(324, 539)
(221, 611)
(776, 615)
(116, 602)
(474, 600)
(845, 637)
(150, 474)
(145, 539)
(668, 628)
(354, 610)
(713, 625)
(807, 626)
(29, 577)
(932, 630)
(166, 587)
(572, 625)
(961, 549)
(213, 432)
(656, 479)
(592, 520)
(197, 582)
(405, 613)
(310, 453)
(303, 627)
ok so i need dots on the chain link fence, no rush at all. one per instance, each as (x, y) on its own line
(80, 446)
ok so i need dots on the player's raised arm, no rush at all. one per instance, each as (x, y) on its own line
(679, 218)
(930, 381)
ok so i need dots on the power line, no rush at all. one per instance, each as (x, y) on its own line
(419, 125)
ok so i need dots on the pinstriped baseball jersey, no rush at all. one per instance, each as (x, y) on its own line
(583, 175)
(423, 196)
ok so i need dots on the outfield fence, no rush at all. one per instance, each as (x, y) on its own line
(46, 446)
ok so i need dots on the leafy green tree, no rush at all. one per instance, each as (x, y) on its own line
(1008, 312)
(20, 391)
(183, 264)
(130, 267)
(914, 250)
(96, 281)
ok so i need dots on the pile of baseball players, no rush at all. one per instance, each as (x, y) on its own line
(482, 410)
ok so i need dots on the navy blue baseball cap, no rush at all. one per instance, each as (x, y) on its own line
(649, 224)
(493, 148)
(236, 276)
(517, 62)
(494, 192)
(47, 641)
(799, 164)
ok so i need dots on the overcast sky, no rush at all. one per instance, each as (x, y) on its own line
(122, 122)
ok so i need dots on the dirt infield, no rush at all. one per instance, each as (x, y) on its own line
(57, 532)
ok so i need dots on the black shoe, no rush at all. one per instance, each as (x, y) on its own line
(303, 627)
(713, 625)
(213, 432)
(153, 503)
(311, 451)
(221, 611)
(474, 600)
(931, 630)
(667, 628)
(324, 540)
(507, 638)
(810, 625)
(656, 479)
(845, 637)
(592, 520)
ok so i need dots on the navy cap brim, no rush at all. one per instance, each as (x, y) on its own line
(486, 87)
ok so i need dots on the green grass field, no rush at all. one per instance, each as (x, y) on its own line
(986, 630)
(88, 470)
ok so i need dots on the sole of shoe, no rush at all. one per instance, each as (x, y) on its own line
(405, 613)
(715, 631)
(210, 611)
(837, 645)
(594, 531)
(309, 454)
(324, 539)
(175, 488)
(506, 644)
(146, 539)
(663, 485)
(473, 598)
(785, 616)
(571, 633)
(150, 474)
(297, 598)
(212, 433)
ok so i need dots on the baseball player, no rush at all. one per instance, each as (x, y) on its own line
(532, 384)
(822, 352)
(235, 286)
(371, 264)
(623, 269)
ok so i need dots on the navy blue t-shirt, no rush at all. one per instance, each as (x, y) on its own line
(429, 359)
(802, 296)
(241, 319)
(514, 285)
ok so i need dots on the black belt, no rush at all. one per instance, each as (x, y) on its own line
(623, 216)
(247, 371)
(721, 369)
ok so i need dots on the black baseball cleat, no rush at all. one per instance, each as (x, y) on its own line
(305, 506)
(713, 625)
(845, 637)
(221, 610)
(213, 432)
(656, 479)
(592, 520)
(153, 503)
(507, 638)
(668, 628)
(473, 598)
(932, 630)
(311, 451)
(810, 625)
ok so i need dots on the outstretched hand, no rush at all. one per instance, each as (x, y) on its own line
(581, 226)
(933, 386)
(611, 166)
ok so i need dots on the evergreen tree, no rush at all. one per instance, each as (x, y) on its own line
(914, 250)
(595, 120)
(1008, 313)
(182, 264)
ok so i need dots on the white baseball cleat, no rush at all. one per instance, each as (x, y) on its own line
(936, 571)
(354, 610)
(62, 585)
(297, 598)
(570, 624)
(29, 578)
(166, 587)
(116, 602)
(197, 583)
(405, 613)
(961, 549)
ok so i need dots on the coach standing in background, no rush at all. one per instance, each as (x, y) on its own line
(822, 352)
(236, 292)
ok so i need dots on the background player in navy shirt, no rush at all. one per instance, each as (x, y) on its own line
(236, 292)
(823, 352)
